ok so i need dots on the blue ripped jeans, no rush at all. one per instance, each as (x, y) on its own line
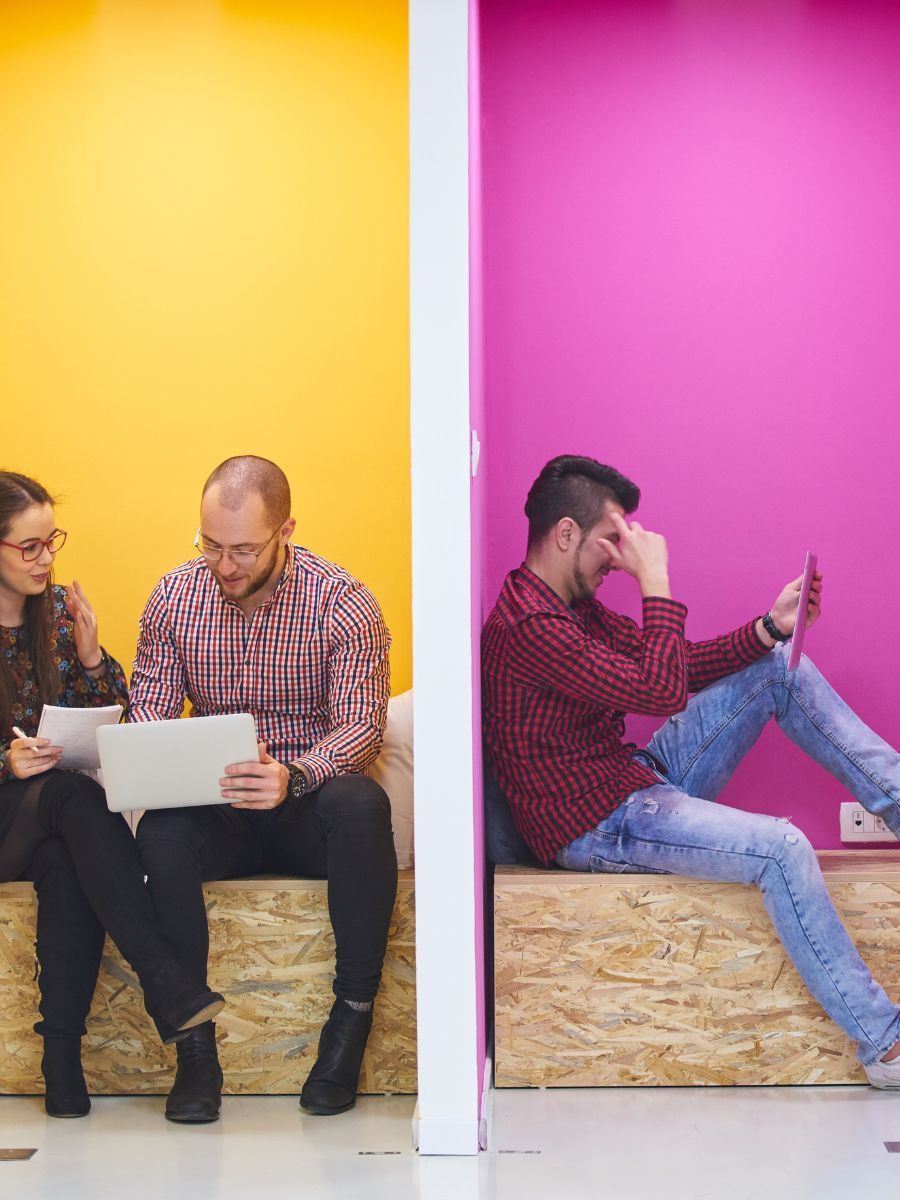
(668, 828)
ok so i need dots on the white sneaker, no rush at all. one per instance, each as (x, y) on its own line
(885, 1074)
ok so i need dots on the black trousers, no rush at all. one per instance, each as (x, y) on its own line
(341, 832)
(83, 862)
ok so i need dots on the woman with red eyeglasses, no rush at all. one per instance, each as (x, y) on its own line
(55, 828)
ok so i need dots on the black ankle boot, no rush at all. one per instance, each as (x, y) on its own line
(196, 1095)
(66, 1093)
(202, 1009)
(175, 1001)
(331, 1085)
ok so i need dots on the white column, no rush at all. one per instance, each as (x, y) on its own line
(446, 969)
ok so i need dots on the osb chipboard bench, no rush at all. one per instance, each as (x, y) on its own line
(272, 957)
(621, 980)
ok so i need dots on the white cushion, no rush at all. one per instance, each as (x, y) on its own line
(393, 769)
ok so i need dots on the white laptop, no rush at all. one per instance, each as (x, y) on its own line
(173, 764)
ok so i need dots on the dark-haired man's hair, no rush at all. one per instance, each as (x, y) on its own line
(236, 477)
(577, 487)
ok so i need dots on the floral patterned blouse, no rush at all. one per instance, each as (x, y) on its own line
(77, 688)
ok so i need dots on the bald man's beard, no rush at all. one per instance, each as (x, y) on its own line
(254, 584)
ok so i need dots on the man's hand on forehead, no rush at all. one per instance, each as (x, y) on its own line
(639, 553)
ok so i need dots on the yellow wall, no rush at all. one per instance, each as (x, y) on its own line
(204, 252)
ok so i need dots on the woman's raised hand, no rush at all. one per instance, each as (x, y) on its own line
(87, 638)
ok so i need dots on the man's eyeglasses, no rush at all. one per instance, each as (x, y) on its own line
(35, 547)
(240, 558)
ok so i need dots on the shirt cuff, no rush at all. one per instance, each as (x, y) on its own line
(96, 681)
(319, 768)
(749, 642)
(661, 613)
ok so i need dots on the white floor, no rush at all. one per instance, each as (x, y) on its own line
(624, 1144)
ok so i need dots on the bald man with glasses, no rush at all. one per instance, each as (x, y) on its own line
(257, 624)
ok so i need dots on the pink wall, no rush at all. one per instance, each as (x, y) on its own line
(691, 232)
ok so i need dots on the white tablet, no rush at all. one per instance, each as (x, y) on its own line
(809, 570)
(173, 764)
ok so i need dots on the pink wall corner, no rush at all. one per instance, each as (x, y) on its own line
(691, 251)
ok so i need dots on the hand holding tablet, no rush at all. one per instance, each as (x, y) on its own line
(809, 571)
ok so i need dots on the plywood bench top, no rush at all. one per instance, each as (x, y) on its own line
(844, 866)
(261, 883)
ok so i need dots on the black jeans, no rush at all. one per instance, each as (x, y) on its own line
(83, 862)
(341, 832)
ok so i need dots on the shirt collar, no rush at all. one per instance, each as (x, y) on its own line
(288, 569)
(550, 601)
(542, 590)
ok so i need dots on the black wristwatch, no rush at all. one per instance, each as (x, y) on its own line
(772, 629)
(298, 784)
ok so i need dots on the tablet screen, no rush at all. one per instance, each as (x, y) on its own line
(809, 571)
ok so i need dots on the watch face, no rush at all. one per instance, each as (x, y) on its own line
(298, 783)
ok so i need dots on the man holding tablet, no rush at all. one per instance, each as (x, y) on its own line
(258, 625)
(560, 670)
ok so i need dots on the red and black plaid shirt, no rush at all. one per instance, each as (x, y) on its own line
(311, 664)
(557, 682)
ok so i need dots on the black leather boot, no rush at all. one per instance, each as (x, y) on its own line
(200, 1010)
(174, 1001)
(66, 1093)
(196, 1095)
(331, 1085)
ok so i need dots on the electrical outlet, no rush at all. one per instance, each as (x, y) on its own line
(858, 825)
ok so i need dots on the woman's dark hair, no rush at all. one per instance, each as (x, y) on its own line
(18, 493)
(577, 487)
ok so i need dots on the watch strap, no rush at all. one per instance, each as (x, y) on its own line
(772, 629)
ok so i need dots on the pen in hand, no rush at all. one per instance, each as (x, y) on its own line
(20, 734)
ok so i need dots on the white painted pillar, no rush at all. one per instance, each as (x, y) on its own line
(446, 967)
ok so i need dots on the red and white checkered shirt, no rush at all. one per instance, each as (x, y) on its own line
(311, 664)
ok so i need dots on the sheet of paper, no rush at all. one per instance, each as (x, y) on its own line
(75, 729)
